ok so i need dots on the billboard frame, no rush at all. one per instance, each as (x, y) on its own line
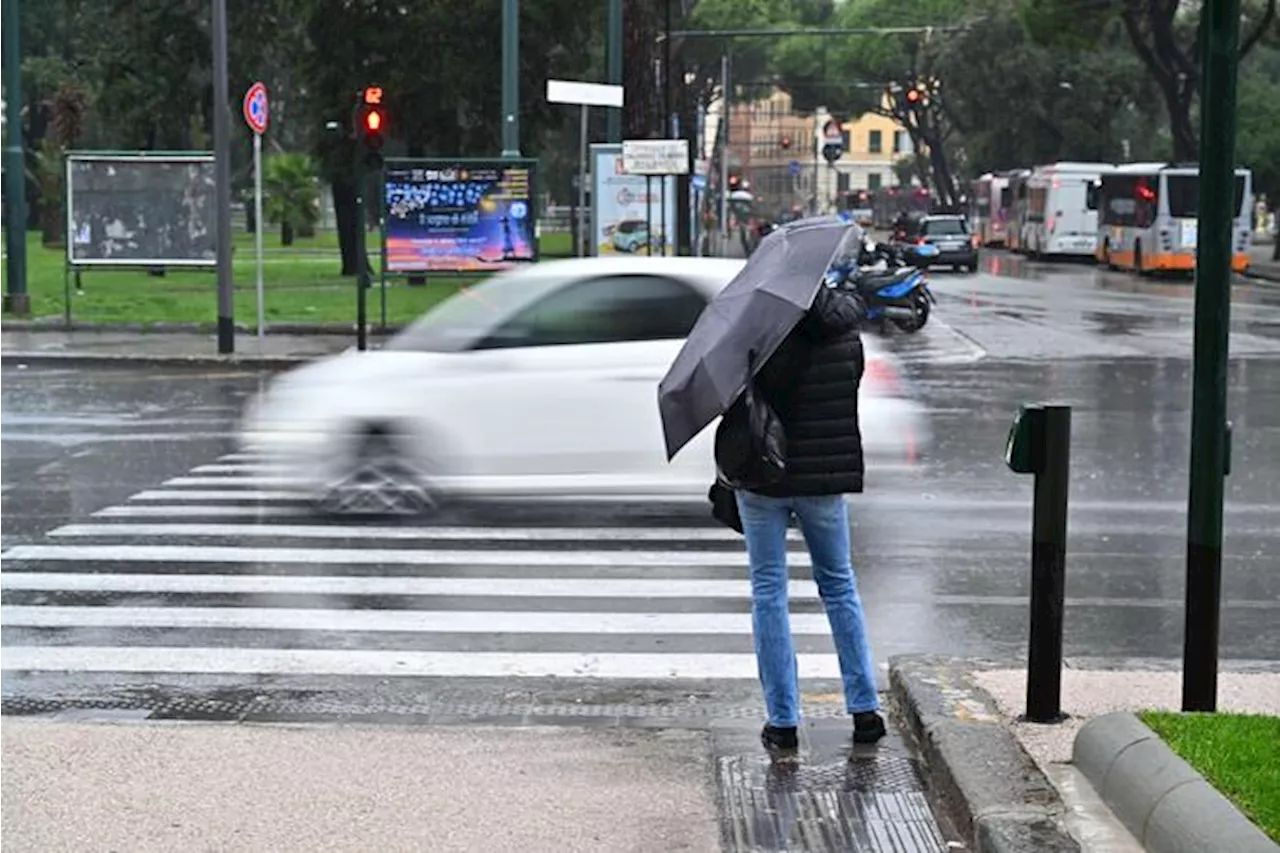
(72, 268)
(615, 149)
(119, 157)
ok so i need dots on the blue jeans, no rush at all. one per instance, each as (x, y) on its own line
(825, 524)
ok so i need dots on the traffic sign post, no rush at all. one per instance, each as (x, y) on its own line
(650, 157)
(584, 95)
(256, 115)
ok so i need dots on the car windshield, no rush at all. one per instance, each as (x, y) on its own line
(455, 324)
(934, 227)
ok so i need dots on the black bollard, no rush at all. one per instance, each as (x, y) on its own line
(1040, 444)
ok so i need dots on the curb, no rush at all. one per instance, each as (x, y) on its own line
(81, 359)
(56, 325)
(1161, 799)
(994, 793)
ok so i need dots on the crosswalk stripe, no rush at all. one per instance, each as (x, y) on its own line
(200, 511)
(382, 585)
(263, 481)
(415, 621)
(238, 468)
(426, 533)
(157, 495)
(366, 556)
(242, 661)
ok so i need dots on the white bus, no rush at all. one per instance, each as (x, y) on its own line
(1016, 209)
(1150, 217)
(989, 212)
(1062, 210)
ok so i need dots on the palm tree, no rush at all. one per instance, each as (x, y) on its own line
(291, 194)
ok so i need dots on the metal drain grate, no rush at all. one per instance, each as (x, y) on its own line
(866, 803)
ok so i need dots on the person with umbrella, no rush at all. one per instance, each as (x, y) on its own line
(779, 354)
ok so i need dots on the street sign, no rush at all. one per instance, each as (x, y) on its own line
(698, 182)
(584, 94)
(656, 156)
(795, 168)
(255, 108)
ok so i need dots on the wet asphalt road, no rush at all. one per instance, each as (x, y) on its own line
(942, 551)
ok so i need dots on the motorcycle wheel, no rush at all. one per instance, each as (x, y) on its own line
(921, 306)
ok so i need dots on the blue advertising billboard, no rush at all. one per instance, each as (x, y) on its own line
(458, 215)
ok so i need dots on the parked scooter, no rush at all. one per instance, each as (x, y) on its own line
(893, 291)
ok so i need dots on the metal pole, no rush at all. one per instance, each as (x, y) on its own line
(16, 298)
(583, 232)
(510, 78)
(1209, 439)
(222, 181)
(666, 79)
(257, 228)
(1052, 448)
(662, 213)
(613, 61)
(724, 151)
(362, 259)
(648, 215)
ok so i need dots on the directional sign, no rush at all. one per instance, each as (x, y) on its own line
(795, 168)
(699, 182)
(255, 108)
(656, 156)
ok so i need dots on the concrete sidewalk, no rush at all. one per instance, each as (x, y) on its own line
(156, 787)
(126, 347)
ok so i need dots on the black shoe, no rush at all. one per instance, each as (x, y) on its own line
(779, 741)
(868, 727)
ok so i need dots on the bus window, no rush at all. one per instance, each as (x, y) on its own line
(1184, 196)
(1092, 190)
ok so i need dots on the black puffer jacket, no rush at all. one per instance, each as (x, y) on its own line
(812, 383)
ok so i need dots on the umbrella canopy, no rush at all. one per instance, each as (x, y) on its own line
(754, 313)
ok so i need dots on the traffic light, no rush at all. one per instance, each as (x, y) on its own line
(916, 96)
(370, 119)
(786, 143)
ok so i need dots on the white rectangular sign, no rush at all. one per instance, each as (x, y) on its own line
(583, 94)
(656, 156)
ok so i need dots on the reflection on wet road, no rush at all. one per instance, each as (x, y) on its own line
(140, 548)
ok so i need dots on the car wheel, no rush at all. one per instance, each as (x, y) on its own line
(382, 480)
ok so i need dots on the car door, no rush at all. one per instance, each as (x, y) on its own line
(565, 392)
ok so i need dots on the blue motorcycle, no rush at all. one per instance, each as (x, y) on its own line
(898, 295)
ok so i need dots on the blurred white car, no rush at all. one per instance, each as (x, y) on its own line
(538, 381)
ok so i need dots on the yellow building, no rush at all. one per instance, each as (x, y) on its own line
(873, 143)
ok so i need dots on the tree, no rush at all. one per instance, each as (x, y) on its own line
(872, 73)
(1166, 35)
(291, 194)
(1032, 102)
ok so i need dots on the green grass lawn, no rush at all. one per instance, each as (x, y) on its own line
(301, 284)
(1239, 754)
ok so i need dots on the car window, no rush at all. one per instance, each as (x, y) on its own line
(471, 314)
(610, 309)
(935, 227)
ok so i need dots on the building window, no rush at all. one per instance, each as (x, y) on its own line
(844, 139)
(874, 141)
(873, 180)
(842, 182)
(901, 142)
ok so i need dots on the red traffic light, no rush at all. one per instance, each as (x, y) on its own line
(786, 142)
(913, 96)
(373, 121)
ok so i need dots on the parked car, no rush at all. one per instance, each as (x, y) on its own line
(538, 381)
(951, 236)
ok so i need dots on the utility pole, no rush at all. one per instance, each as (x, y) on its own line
(1210, 439)
(16, 298)
(510, 79)
(222, 181)
(613, 62)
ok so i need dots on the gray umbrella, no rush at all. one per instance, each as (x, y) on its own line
(754, 313)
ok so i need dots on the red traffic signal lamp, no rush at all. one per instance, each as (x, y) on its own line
(786, 143)
(370, 118)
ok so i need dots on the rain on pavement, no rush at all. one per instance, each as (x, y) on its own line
(123, 494)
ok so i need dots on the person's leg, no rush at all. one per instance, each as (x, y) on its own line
(764, 526)
(825, 524)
